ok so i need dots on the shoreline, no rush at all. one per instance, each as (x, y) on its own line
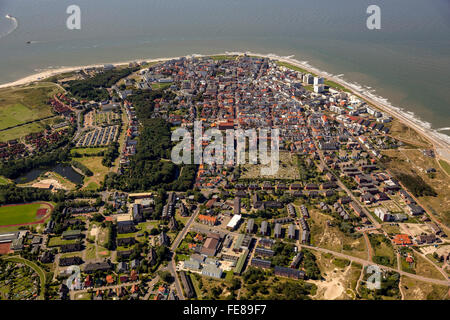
(441, 142)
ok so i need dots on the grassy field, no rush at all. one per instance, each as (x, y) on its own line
(22, 104)
(95, 165)
(383, 252)
(22, 131)
(57, 241)
(414, 162)
(19, 214)
(287, 168)
(158, 86)
(417, 290)
(406, 134)
(332, 238)
(87, 151)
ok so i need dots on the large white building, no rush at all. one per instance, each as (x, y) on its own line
(318, 88)
(383, 214)
(318, 80)
(234, 222)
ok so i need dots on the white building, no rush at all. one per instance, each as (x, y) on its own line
(318, 88)
(318, 80)
(383, 214)
(234, 222)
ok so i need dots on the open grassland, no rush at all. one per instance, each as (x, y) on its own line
(22, 104)
(414, 162)
(417, 290)
(407, 135)
(99, 171)
(287, 168)
(383, 251)
(425, 268)
(331, 238)
(87, 151)
(20, 214)
(23, 130)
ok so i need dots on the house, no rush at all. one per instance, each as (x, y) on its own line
(125, 254)
(415, 210)
(264, 228)
(98, 266)
(125, 242)
(264, 252)
(65, 262)
(291, 210)
(357, 209)
(426, 238)
(187, 284)
(250, 225)
(163, 239)
(260, 263)
(291, 231)
(305, 237)
(277, 230)
(71, 234)
(402, 240)
(208, 220)
(137, 213)
(237, 206)
(122, 267)
(266, 242)
(289, 272)
(296, 261)
(47, 257)
(70, 247)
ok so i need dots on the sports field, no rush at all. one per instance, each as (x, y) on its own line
(23, 214)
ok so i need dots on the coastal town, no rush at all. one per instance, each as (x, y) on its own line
(92, 207)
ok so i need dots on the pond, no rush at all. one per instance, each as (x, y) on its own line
(63, 170)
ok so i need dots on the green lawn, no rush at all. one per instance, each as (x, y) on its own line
(23, 104)
(87, 150)
(57, 241)
(18, 214)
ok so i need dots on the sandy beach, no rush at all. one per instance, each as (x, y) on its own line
(440, 141)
